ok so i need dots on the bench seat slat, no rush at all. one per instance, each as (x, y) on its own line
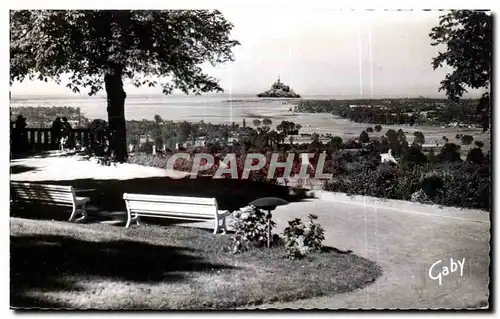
(171, 216)
(173, 213)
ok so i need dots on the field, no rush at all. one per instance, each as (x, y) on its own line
(324, 123)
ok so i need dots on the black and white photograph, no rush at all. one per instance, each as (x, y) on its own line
(253, 157)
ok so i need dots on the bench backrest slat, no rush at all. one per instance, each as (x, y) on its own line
(170, 199)
(43, 193)
(185, 206)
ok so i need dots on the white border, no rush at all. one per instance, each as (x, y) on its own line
(191, 4)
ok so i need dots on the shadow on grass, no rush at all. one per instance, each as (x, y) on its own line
(57, 263)
(230, 194)
(18, 169)
(328, 249)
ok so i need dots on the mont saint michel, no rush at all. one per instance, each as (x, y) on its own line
(279, 89)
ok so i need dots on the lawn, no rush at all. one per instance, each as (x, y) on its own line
(60, 264)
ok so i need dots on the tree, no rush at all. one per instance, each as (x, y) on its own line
(267, 122)
(450, 152)
(158, 119)
(413, 155)
(467, 139)
(476, 156)
(336, 142)
(419, 137)
(363, 137)
(101, 49)
(468, 37)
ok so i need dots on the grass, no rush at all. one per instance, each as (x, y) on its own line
(62, 265)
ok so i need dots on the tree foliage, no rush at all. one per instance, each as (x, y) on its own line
(468, 37)
(98, 49)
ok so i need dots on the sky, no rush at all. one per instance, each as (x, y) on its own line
(320, 52)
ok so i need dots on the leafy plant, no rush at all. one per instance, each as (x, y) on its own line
(250, 224)
(300, 238)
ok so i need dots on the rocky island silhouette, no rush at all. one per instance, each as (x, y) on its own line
(279, 89)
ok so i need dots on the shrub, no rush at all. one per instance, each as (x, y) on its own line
(391, 135)
(419, 138)
(378, 128)
(467, 139)
(336, 141)
(146, 147)
(450, 184)
(458, 136)
(300, 238)
(479, 144)
(431, 183)
(401, 135)
(369, 130)
(476, 156)
(250, 224)
(465, 189)
(449, 153)
(99, 130)
(413, 155)
(420, 197)
(364, 138)
(445, 139)
(431, 157)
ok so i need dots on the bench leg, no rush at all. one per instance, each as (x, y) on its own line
(216, 228)
(137, 219)
(129, 219)
(73, 214)
(84, 214)
(224, 227)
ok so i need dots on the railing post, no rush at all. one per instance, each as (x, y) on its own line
(46, 141)
(39, 137)
(86, 139)
(79, 137)
(32, 136)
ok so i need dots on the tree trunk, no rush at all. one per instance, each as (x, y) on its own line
(116, 114)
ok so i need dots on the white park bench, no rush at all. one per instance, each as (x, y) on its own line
(54, 195)
(175, 207)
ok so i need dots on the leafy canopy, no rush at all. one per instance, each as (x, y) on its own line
(468, 38)
(86, 44)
